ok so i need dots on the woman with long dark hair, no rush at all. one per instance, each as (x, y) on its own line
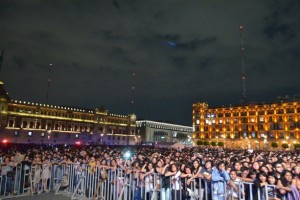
(271, 188)
(174, 174)
(287, 186)
(260, 183)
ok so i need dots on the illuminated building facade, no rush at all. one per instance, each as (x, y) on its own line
(27, 122)
(248, 126)
(152, 131)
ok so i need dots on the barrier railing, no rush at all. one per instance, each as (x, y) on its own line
(100, 182)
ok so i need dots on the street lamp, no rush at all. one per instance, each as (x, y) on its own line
(101, 138)
(49, 133)
(265, 141)
(223, 136)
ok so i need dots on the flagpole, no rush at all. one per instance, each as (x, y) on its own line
(49, 82)
(1, 60)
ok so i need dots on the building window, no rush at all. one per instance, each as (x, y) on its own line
(270, 112)
(261, 112)
(271, 135)
(11, 123)
(197, 121)
(261, 119)
(29, 133)
(221, 121)
(292, 135)
(43, 134)
(24, 124)
(280, 111)
(31, 125)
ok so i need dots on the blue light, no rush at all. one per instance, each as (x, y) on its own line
(127, 155)
(172, 44)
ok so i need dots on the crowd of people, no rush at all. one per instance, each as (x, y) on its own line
(217, 173)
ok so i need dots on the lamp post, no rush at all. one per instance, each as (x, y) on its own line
(49, 134)
(223, 136)
(101, 138)
(265, 142)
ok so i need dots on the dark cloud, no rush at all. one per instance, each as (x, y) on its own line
(181, 51)
(19, 62)
(280, 29)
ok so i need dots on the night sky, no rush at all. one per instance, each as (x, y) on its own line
(182, 52)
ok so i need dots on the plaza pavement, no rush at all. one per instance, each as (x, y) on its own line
(44, 196)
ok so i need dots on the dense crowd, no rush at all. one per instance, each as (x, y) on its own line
(220, 173)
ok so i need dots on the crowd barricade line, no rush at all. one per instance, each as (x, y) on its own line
(117, 184)
(16, 182)
(239, 194)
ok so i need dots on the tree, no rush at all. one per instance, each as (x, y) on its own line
(220, 144)
(274, 144)
(285, 145)
(297, 146)
(213, 143)
(206, 143)
(199, 142)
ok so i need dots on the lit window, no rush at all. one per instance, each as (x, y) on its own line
(29, 133)
(252, 119)
(197, 121)
(261, 119)
(42, 134)
(221, 121)
(76, 136)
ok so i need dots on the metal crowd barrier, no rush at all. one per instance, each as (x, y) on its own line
(84, 182)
